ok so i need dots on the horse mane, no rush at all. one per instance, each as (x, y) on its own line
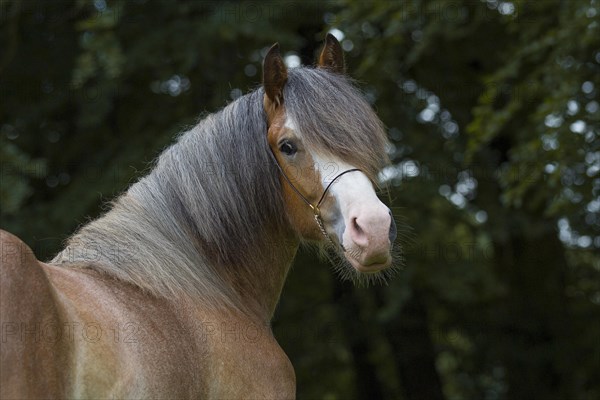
(212, 204)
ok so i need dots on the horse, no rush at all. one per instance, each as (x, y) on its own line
(170, 293)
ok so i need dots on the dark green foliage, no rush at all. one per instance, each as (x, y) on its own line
(492, 108)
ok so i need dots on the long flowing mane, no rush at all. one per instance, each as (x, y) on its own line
(212, 203)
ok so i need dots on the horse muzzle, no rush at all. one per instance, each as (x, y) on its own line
(369, 237)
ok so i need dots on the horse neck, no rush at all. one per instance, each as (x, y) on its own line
(208, 223)
(251, 286)
(259, 287)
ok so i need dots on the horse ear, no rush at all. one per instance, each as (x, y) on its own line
(274, 75)
(332, 55)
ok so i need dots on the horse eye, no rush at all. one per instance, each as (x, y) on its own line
(288, 148)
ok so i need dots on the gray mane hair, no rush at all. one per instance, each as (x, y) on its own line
(212, 204)
(333, 117)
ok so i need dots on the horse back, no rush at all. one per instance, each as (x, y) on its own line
(31, 352)
(69, 332)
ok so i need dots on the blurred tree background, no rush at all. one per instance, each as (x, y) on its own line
(493, 112)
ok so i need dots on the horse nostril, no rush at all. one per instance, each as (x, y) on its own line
(358, 234)
(357, 227)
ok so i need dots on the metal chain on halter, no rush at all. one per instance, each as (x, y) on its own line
(324, 232)
(315, 208)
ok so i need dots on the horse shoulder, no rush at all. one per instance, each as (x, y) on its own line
(247, 361)
(31, 356)
(279, 380)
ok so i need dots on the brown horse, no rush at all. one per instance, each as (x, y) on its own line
(170, 293)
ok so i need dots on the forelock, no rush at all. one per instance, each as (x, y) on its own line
(332, 117)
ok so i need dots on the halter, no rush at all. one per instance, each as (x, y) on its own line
(315, 208)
